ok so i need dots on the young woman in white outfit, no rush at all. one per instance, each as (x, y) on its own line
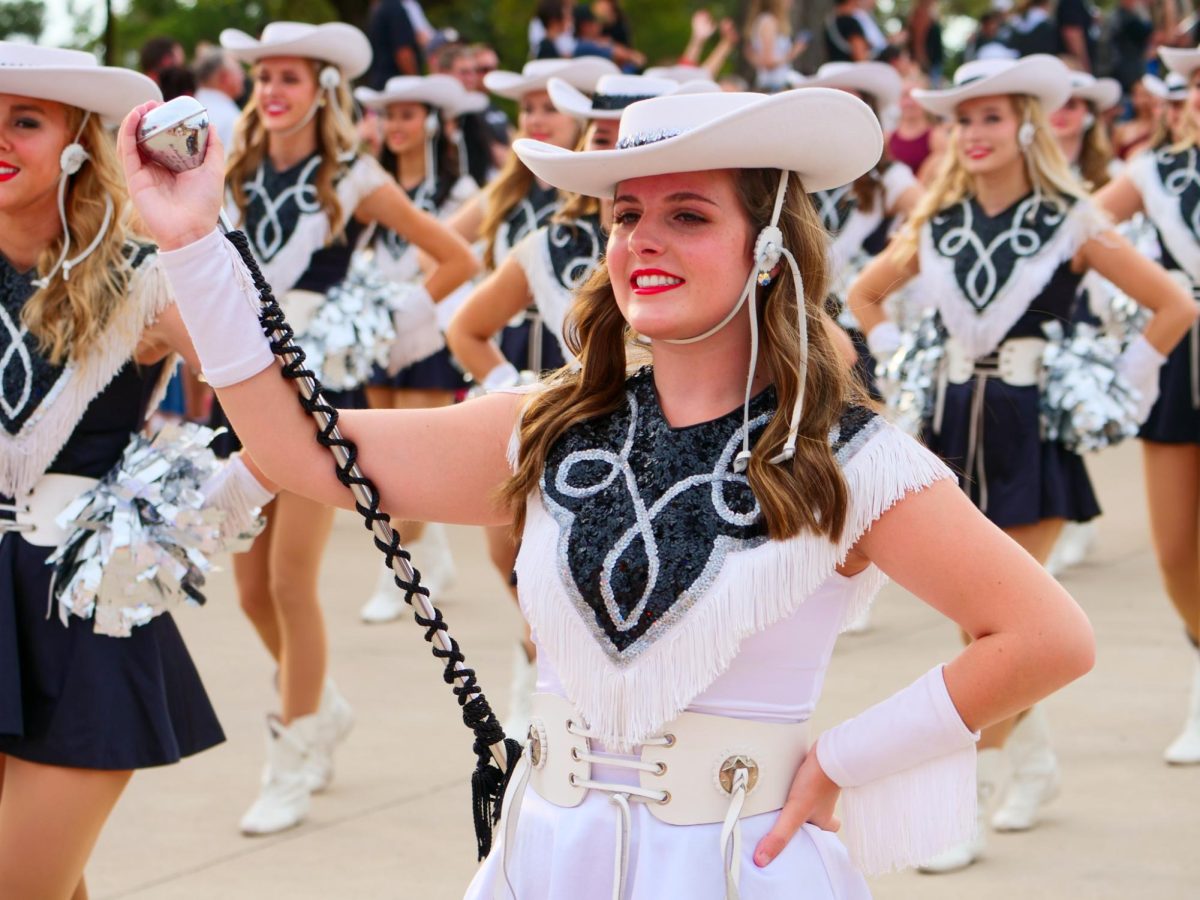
(302, 194)
(696, 531)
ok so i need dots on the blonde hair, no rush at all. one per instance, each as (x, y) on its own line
(807, 495)
(335, 138)
(68, 316)
(1045, 165)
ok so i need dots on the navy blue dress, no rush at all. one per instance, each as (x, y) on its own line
(69, 696)
(1024, 479)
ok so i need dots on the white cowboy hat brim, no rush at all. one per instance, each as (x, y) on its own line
(582, 73)
(878, 80)
(735, 131)
(570, 100)
(1040, 76)
(336, 43)
(441, 91)
(74, 79)
(1102, 93)
(1184, 60)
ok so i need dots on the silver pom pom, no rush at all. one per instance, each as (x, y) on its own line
(141, 538)
(1085, 404)
(908, 380)
(352, 331)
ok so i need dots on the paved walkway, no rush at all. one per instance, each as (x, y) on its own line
(396, 822)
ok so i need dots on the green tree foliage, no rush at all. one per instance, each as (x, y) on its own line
(22, 18)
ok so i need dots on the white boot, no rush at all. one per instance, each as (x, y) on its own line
(990, 766)
(284, 798)
(520, 696)
(1185, 749)
(335, 718)
(1072, 547)
(432, 556)
(1035, 780)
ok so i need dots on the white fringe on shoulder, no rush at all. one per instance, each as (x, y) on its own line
(981, 331)
(1163, 210)
(623, 704)
(25, 455)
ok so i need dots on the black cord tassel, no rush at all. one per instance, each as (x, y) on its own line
(488, 782)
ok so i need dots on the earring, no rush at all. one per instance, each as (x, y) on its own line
(1026, 133)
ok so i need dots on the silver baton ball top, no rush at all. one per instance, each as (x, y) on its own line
(175, 135)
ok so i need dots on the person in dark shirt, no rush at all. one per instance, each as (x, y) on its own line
(555, 16)
(1077, 31)
(1131, 30)
(1033, 31)
(845, 40)
(394, 44)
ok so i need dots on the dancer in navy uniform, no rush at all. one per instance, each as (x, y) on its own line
(414, 111)
(302, 195)
(685, 613)
(861, 217)
(1001, 242)
(87, 325)
(1164, 183)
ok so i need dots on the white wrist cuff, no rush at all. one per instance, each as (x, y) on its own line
(503, 376)
(884, 339)
(1140, 362)
(219, 305)
(236, 492)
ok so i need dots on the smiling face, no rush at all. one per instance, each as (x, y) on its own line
(285, 88)
(404, 126)
(540, 120)
(679, 253)
(987, 134)
(33, 134)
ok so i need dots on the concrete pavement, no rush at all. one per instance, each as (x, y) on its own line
(396, 822)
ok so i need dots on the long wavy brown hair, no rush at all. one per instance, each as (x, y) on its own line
(335, 139)
(1097, 153)
(808, 495)
(67, 316)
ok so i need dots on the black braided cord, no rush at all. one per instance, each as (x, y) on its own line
(488, 781)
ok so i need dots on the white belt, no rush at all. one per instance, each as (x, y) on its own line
(35, 512)
(701, 770)
(299, 307)
(1017, 362)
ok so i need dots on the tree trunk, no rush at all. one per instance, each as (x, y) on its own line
(110, 35)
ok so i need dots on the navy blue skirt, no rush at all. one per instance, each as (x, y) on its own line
(438, 372)
(1175, 418)
(515, 344)
(71, 697)
(1027, 479)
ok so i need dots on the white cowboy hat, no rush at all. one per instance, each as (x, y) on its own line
(879, 80)
(335, 43)
(582, 73)
(442, 91)
(1041, 76)
(698, 132)
(1102, 93)
(1174, 88)
(615, 92)
(1184, 60)
(681, 74)
(74, 78)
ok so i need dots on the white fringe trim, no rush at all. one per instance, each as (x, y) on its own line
(908, 818)
(1163, 210)
(981, 332)
(624, 704)
(25, 455)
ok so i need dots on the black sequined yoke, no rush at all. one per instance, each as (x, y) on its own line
(986, 250)
(1180, 176)
(647, 513)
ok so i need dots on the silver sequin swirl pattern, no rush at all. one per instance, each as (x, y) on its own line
(268, 235)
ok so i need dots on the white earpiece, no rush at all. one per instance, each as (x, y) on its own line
(768, 248)
(432, 125)
(1088, 121)
(1025, 134)
(329, 78)
(72, 158)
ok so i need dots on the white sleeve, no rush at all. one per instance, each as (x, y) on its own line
(896, 180)
(364, 177)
